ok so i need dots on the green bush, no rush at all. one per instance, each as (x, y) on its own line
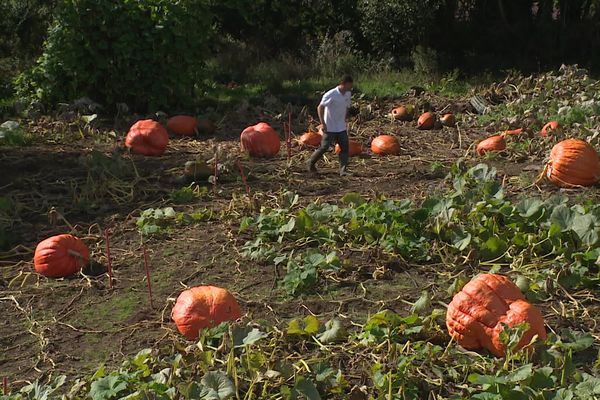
(394, 27)
(145, 53)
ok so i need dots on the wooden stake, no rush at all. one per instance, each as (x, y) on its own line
(243, 177)
(147, 268)
(108, 258)
(5, 385)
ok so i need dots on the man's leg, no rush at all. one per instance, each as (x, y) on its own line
(316, 156)
(344, 151)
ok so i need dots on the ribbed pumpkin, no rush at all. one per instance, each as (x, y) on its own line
(260, 140)
(550, 128)
(60, 256)
(310, 139)
(513, 132)
(403, 113)
(385, 145)
(203, 307)
(572, 163)
(206, 127)
(184, 125)
(448, 120)
(491, 144)
(426, 121)
(355, 148)
(476, 314)
(147, 137)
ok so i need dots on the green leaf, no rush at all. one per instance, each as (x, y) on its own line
(493, 248)
(307, 388)
(563, 217)
(308, 326)
(216, 385)
(461, 239)
(585, 227)
(334, 332)
(254, 336)
(422, 305)
(529, 207)
(107, 388)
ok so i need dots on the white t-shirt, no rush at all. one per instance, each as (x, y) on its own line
(336, 105)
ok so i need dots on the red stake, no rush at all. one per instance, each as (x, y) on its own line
(148, 276)
(108, 258)
(289, 145)
(243, 177)
(5, 385)
(216, 171)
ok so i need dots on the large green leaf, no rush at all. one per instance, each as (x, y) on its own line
(585, 227)
(562, 216)
(216, 385)
(107, 388)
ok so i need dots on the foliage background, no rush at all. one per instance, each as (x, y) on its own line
(166, 53)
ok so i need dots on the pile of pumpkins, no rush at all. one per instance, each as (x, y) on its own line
(474, 319)
(572, 162)
(150, 138)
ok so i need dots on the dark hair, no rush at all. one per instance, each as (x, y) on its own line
(347, 79)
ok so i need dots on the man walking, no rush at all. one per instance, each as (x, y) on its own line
(333, 113)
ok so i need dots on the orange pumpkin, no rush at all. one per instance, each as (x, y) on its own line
(311, 139)
(572, 163)
(355, 148)
(549, 128)
(476, 314)
(260, 140)
(426, 121)
(403, 113)
(206, 127)
(203, 307)
(491, 144)
(385, 145)
(184, 125)
(147, 137)
(60, 256)
(513, 132)
(448, 120)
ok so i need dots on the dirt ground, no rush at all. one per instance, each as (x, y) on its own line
(73, 325)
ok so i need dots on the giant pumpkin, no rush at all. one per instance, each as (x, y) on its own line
(491, 144)
(203, 307)
(426, 121)
(355, 148)
(260, 140)
(60, 256)
(147, 137)
(572, 163)
(184, 125)
(311, 139)
(476, 314)
(385, 145)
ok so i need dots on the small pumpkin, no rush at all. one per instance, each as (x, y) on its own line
(260, 140)
(513, 132)
(426, 121)
(385, 145)
(573, 163)
(60, 256)
(402, 113)
(476, 314)
(203, 307)
(448, 120)
(310, 139)
(183, 125)
(147, 137)
(550, 128)
(355, 148)
(491, 144)
(206, 127)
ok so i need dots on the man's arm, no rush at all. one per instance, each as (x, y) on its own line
(321, 113)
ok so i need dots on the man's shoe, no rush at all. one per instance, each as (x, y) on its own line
(311, 168)
(346, 173)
